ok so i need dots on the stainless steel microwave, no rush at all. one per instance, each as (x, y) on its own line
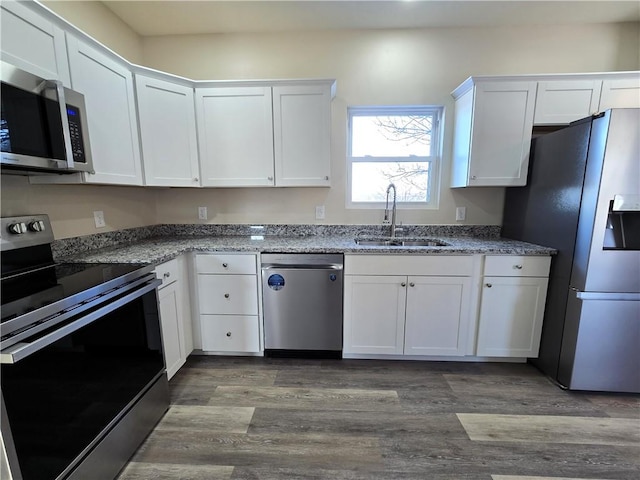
(43, 128)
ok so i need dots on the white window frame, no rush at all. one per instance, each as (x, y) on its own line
(434, 159)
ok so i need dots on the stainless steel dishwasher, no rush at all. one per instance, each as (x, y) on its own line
(302, 304)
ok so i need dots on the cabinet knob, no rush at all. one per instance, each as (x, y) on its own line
(166, 274)
(195, 179)
(326, 177)
(473, 177)
(225, 265)
(489, 285)
(228, 334)
(518, 267)
(226, 295)
(412, 284)
(270, 178)
(403, 284)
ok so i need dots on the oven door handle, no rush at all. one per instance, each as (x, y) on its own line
(22, 350)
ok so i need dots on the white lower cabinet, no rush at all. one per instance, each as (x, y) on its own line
(513, 297)
(228, 307)
(175, 316)
(386, 314)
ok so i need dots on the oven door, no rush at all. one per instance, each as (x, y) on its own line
(75, 382)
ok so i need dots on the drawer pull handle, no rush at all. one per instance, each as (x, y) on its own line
(228, 334)
(518, 267)
(166, 274)
(403, 284)
(225, 265)
(412, 284)
(226, 295)
(489, 285)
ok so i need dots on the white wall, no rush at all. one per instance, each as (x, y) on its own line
(371, 67)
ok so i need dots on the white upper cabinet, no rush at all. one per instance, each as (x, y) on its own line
(265, 135)
(33, 43)
(302, 135)
(108, 91)
(493, 124)
(235, 136)
(563, 101)
(621, 92)
(167, 121)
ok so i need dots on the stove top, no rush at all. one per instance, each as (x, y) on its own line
(29, 292)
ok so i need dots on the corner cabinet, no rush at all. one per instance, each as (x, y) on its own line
(265, 135)
(167, 120)
(407, 305)
(33, 43)
(513, 296)
(493, 124)
(107, 86)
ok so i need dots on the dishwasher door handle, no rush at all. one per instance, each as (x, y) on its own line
(280, 266)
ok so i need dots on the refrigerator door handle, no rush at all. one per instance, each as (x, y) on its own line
(607, 296)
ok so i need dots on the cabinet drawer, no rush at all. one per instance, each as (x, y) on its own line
(393, 264)
(228, 294)
(226, 263)
(230, 333)
(167, 272)
(516, 266)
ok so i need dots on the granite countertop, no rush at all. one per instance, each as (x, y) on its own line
(160, 249)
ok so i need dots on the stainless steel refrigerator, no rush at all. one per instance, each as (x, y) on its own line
(583, 199)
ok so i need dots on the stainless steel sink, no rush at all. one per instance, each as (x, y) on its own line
(398, 242)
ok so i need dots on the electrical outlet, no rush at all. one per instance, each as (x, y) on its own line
(202, 213)
(98, 217)
(319, 212)
(461, 213)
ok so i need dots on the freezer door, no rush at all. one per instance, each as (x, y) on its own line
(604, 354)
(613, 169)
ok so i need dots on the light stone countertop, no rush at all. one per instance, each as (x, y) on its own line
(161, 249)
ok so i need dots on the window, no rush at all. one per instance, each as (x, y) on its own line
(393, 144)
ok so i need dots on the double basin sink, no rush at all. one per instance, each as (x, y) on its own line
(399, 242)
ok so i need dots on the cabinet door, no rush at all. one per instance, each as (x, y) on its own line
(437, 319)
(501, 133)
(620, 93)
(511, 313)
(170, 302)
(302, 135)
(108, 91)
(235, 136)
(563, 101)
(33, 43)
(374, 310)
(167, 117)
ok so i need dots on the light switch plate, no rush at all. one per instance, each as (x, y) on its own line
(461, 213)
(98, 218)
(319, 212)
(202, 213)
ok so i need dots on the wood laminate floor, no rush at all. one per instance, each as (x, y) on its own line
(266, 419)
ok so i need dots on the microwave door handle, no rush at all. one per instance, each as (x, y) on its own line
(62, 104)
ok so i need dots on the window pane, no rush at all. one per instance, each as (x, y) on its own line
(371, 179)
(391, 135)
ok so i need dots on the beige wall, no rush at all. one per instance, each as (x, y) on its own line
(371, 67)
(374, 68)
(98, 21)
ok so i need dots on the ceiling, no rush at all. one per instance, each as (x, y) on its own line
(205, 16)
